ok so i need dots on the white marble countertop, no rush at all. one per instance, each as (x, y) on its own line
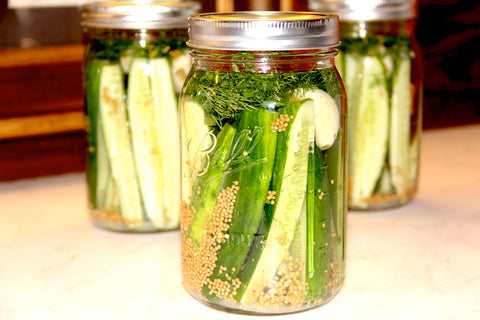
(421, 261)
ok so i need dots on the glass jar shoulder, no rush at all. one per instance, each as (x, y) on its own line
(225, 93)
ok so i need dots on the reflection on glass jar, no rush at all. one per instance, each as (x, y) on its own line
(263, 164)
(134, 69)
(380, 63)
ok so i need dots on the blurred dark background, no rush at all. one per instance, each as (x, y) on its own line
(40, 76)
(449, 33)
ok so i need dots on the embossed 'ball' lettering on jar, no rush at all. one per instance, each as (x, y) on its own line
(381, 65)
(263, 143)
(136, 61)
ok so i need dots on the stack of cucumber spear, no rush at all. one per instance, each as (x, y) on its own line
(283, 222)
(383, 152)
(134, 154)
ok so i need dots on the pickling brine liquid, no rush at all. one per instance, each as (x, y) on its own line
(131, 95)
(263, 180)
(381, 68)
(134, 68)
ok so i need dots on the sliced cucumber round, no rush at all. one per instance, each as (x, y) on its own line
(326, 117)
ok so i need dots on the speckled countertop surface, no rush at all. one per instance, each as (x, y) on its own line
(420, 261)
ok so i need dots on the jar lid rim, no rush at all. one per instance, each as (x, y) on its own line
(138, 15)
(367, 10)
(263, 30)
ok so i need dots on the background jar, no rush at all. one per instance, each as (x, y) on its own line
(263, 162)
(134, 66)
(381, 65)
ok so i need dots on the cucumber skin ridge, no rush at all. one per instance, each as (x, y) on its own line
(92, 96)
(250, 201)
(291, 191)
(208, 185)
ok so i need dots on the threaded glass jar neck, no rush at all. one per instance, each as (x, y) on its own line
(366, 10)
(364, 29)
(263, 61)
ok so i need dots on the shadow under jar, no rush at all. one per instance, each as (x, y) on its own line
(263, 162)
(136, 61)
(381, 65)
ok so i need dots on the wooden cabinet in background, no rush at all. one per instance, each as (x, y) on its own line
(41, 103)
(41, 112)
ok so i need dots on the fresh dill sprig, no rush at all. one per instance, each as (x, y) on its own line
(113, 44)
(225, 94)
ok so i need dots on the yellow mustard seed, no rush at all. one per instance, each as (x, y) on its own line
(199, 262)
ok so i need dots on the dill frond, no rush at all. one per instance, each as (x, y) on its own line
(225, 94)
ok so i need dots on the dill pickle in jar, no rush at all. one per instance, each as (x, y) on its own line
(381, 66)
(263, 162)
(136, 61)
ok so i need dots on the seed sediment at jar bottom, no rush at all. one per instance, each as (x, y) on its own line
(263, 189)
(384, 120)
(133, 169)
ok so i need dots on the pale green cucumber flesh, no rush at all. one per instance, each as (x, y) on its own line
(181, 65)
(289, 205)
(208, 184)
(196, 140)
(144, 140)
(352, 70)
(110, 204)
(385, 182)
(399, 146)
(258, 242)
(339, 63)
(252, 159)
(104, 170)
(368, 132)
(117, 140)
(326, 116)
(168, 141)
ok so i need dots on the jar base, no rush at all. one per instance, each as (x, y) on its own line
(101, 221)
(383, 202)
(254, 310)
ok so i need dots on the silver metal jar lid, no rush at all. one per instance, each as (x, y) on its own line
(138, 15)
(263, 30)
(366, 10)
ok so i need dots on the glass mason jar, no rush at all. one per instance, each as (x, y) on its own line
(262, 120)
(135, 63)
(381, 66)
